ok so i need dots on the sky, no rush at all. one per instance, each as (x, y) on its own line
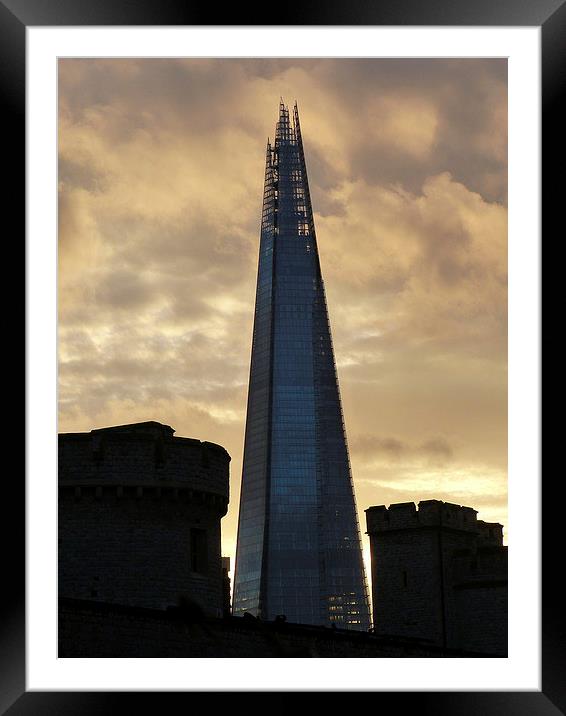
(161, 167)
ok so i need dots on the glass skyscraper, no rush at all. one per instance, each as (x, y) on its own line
(298, 551)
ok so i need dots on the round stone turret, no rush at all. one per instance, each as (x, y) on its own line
(139, 517)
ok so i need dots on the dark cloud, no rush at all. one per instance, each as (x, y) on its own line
(160, 185)
(371, 448)
(122, 289)
(437, 448)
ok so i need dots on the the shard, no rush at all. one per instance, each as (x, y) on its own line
(298, 551)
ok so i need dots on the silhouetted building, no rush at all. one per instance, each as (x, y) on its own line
(298, 550)
(94, 629)
(139, 518)
(440, 574)
(140, 566)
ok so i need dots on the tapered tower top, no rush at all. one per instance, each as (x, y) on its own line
(285, 130)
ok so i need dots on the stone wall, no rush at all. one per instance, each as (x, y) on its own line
(88, 629)
(139, 518)
(438, 573)
(143, 453)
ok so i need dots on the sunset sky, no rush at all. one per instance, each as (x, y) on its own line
(161, 166)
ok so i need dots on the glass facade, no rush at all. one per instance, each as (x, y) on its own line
(298, 551)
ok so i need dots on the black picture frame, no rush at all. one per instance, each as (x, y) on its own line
(15, 16)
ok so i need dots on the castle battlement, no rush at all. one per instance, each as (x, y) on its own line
(142, 455)
(429, 513)
(490, 533)
(439, 573)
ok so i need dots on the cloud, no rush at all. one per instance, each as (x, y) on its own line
(407, 123)
(161, 167)
(373, 449)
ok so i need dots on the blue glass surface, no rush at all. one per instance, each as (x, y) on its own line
(298, 551)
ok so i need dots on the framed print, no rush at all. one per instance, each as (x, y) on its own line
(117, 69)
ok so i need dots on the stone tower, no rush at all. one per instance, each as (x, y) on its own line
(139, 517)
(440, 574)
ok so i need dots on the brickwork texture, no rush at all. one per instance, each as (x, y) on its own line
(139, 518)
(439, 573)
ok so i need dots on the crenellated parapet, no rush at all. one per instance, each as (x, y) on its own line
(490, 533)
(144, 459)
(440, 574)
(429, 513)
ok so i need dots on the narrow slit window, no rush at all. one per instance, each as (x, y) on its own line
(199, 551)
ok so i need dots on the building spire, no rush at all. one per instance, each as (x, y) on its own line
(299, 551)
(296, 124)
(284, 131)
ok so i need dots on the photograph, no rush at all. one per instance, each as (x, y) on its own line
(282, 357)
